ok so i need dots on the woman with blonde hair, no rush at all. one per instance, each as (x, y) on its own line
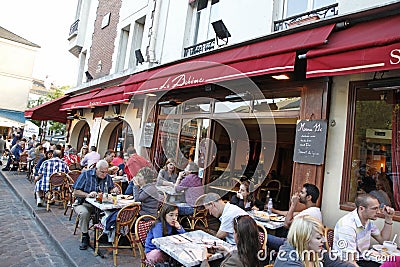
(168, 174)
(305, 245)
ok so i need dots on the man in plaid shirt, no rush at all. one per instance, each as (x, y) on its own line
(50, 166)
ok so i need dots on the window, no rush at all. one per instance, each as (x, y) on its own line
(206, 12)
(295, 7)
(123, 43)
(370, 165)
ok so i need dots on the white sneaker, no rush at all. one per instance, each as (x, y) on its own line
(39, 202)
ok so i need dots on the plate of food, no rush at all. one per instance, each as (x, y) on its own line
(277, 218)
(377, 247)
(261, 216)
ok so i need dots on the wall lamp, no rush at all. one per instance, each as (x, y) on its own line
(89, 77)
(116, 108)
(139, 56)
(239, 97)
(221, 31)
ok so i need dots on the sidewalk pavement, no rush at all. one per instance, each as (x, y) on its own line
(59, 230)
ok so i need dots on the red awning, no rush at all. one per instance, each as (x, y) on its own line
(270, 56)
(109, 96)
(365, 47)
(48, 111)
(79, 101)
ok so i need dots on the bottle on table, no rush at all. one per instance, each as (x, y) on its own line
(268, 207)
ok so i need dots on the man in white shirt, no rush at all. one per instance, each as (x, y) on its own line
(225, 212)
(308, 196)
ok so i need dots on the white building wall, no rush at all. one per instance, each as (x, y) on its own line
(16, 67)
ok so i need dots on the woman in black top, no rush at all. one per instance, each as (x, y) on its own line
(245, 198)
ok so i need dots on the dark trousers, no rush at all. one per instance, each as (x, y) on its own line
(364, 263)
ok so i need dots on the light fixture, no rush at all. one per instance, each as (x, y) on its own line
(139, 56)
(221, 31)
(151, 94)
(114, 119)
(273, 105)
(89, 77)
(116, 108)
(238, 97)
(168, 103)
(281, 77)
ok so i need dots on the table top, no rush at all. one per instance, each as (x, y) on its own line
(170, 190)
(263, 218)
(117, 178)
(108, 205)
(380, 255)
(232, 189)
(189, 248)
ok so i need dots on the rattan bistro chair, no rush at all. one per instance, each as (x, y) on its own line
(199, 215)
(328, 233)
(123, 225)
(57, 184)
(142, 227)
(72, 176)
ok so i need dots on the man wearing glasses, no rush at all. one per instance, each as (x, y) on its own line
(354, 230)
(88, 184)
(226, 213)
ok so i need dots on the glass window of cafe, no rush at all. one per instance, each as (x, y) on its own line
(203, 130)
(373, 166)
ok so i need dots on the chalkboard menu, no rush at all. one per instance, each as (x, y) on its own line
(148, 133)
(310, 141)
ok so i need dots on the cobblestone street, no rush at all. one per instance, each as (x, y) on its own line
(22, 242)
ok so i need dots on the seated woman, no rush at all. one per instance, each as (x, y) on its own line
(143, 190)
(121, 167)
(72, 159)
(304, 246)
(189, 181)
(245, 198)
(248, 245)
(166, 224)
(168, 174)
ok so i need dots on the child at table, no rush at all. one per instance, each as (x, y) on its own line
(166, 224)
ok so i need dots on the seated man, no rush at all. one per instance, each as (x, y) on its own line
(307, 196)
(190, 182)
(88, 184)
(225, 212)
(109, 156)
(353, 231)
(48, 167)
(90, 158)
(16, 151)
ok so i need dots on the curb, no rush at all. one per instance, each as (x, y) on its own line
(36, 216)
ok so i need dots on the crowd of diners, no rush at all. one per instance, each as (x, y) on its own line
(305, 229)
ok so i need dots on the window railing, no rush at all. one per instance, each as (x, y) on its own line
(74, 27)
(324, 12)
(199, 48)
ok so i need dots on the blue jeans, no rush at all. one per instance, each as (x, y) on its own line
(274, 242)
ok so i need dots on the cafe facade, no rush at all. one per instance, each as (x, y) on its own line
(316, 103)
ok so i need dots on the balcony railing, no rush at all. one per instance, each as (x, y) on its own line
(324, 12)
(74, 27)
(199, 48)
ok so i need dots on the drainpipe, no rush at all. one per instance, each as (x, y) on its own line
(151, 53)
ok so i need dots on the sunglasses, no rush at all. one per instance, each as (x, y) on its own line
(237, 219)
